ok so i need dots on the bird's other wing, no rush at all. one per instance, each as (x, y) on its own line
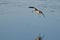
(43, 15)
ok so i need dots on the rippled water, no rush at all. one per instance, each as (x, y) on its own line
(17, 22)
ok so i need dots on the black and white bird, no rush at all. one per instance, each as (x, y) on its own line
(37, 11)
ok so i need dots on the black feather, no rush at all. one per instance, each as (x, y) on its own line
(34, 8)
(31, 7)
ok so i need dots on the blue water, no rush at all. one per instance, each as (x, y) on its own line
(17, 22)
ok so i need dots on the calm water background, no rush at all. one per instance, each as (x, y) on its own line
(17, 22)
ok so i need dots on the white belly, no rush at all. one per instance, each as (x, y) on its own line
(37, 12)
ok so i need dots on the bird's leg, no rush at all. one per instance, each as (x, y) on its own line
(32, 11)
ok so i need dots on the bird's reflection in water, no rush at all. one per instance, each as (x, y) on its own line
(39, 37)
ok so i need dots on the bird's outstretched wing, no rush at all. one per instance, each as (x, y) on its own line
(34, 8)
(42, 13)
(31, 7)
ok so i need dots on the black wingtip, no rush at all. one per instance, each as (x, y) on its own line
(30, 7)
(43, 15)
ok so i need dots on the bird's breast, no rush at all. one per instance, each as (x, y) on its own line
(37, 12)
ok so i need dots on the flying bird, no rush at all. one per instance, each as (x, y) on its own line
(37, 11)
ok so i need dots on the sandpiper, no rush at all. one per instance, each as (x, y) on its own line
(37, 11)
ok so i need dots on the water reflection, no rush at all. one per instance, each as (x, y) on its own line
(39, 37)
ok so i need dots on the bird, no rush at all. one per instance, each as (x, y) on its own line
(37, 10)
